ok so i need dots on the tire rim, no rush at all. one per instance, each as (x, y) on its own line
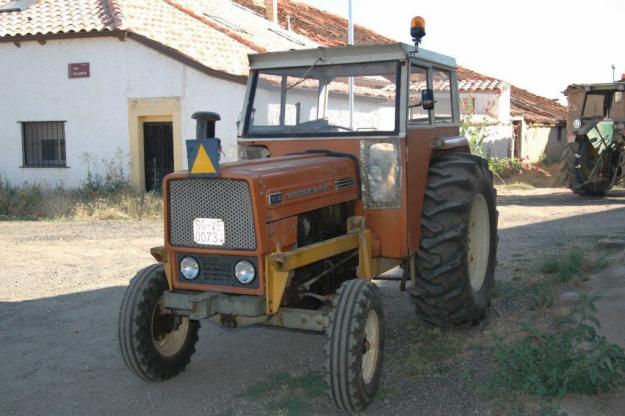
(478, 242)
(371, 346)
(170, 343)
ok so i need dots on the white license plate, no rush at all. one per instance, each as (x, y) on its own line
(209, 231)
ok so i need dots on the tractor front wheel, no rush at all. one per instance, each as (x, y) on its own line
(355, 344)
(156, 345)
(455, 264)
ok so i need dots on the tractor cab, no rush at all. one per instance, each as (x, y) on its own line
(389, 107)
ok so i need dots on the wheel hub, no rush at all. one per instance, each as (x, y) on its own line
(169, 332)
(371, 346)
(478, 242)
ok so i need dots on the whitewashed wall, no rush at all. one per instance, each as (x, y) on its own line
(34, 86)
(542, 141)
(494, 109)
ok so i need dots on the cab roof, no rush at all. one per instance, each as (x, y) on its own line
(607, 86)
(348, 55)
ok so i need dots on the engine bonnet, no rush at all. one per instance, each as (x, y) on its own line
(290, 185)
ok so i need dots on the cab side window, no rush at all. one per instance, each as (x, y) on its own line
(418, 83)
(443, 109)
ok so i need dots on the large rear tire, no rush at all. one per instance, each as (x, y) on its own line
(355, 345)
(455, 264)
(156, 345)
(578, 160)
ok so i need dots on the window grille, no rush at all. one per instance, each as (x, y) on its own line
(43, 144)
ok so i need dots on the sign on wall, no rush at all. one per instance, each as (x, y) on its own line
(79, 70)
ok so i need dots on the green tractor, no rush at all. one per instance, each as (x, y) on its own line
(594, 158)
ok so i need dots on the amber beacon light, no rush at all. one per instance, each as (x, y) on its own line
(417, 29)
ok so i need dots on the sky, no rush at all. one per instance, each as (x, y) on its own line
(539, 45)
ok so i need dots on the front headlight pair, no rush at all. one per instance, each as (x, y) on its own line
(244, 271)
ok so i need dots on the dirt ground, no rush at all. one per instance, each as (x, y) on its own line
(61, 285)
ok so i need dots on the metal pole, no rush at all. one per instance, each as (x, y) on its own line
(350, 41)
(613, 73)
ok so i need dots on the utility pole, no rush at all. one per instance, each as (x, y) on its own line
(350, 41)
(613, 73)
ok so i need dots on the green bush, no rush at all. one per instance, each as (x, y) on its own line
(574, 359)
(476, 134)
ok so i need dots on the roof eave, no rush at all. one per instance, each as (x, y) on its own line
(123, 34)
(39, 37)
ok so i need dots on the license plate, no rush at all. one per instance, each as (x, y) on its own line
(209, 231)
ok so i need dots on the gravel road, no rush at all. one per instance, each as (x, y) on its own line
(62, 284)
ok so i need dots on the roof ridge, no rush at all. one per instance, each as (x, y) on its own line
(115, 12)
(207, 22)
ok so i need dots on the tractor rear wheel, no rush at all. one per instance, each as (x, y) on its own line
(156, 345)
(355, 345)
(578, 162)
(455, 264)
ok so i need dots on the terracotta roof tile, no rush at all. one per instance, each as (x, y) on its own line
(536, 109)
(218, 34)
(159, 21)
(48, 17)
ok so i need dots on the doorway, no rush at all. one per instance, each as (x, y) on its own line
(158, 152)
(516, 127)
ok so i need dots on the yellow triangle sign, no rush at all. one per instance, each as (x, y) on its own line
(202, 163)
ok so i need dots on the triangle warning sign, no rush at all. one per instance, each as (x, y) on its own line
(202, 163)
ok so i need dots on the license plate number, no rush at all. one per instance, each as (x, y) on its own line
(209, 231)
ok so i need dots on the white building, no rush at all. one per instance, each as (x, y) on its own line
(142, 68)
(118, 80)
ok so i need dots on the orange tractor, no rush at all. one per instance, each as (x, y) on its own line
(351, 165)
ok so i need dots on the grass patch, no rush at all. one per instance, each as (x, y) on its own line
(564, 265)
(535, 295)
(385, 392)
(573, 263)
(552, 363)
(429, 350)
(288, 394)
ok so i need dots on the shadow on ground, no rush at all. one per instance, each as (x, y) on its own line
(60, 357)
(60, 354)
(564, 198)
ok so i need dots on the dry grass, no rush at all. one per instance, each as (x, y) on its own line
(30, 202)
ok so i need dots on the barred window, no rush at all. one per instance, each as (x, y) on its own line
(43, 144)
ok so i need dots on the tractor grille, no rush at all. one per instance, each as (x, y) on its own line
(226, 199)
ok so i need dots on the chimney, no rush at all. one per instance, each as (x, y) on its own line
(271, 10)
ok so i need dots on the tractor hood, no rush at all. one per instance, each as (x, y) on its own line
(290, 185)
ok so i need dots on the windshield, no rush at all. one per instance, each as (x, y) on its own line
(315, 100)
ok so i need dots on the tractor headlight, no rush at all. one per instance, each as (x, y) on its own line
(245, 272)
(577, 123)
(189, 268)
